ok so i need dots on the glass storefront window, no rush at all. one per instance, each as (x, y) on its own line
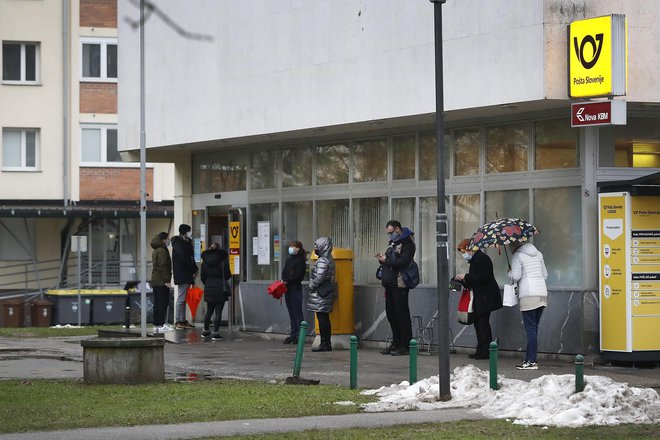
(425, 239)
(219, 172)
(428, 153)
(369, 219)
(263, 169)
(297, 225)
(558, 215)
(466, 154)
(333, 220)
(265, 212)
(403, 157)
(332, 164)
(499, 204)
(370, 160)
(466, 221)
(297, 167)
(556, 144)
(507, 147)
(403, 210)
(635, 145)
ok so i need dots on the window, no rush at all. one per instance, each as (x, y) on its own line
(333, 220)
(265, 212)
(20, 63)
(297, 167)
(332, 164)
(297, 225)
(370, 160)
(635, 145)
(466, 222)
(99, 59)
(263, 169)
(98, 144)
(428, 153)
(218, 172)
(369, 218)
(556, 144)
(403, 160)
(19, 149)
(507, 147)
(466, 156)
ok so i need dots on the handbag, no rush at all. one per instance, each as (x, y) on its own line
(464, 313)
(510, 297)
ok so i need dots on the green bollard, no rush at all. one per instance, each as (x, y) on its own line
(579, 373)
(299, 349)
(354, 348)
(492, 351)
(412, 350)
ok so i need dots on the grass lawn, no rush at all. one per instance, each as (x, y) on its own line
(50, 405)
(46, 332)
(474, 430)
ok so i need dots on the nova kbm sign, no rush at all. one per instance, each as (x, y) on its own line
(598, 113)
(597, 57)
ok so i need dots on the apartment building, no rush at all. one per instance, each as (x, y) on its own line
(61, 173)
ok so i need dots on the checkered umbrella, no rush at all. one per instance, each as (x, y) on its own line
(501, 232)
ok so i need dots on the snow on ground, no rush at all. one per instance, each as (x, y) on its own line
(548, 400)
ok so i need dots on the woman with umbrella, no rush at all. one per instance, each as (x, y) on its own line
(486, 294)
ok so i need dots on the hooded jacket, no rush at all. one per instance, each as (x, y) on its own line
(215, 274)
(161, 272)
(481, 279)
(183, 261)
(322, 289)
(528, 269)
(399, 255)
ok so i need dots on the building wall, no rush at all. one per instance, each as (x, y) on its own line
(35, 106)
(113, 184)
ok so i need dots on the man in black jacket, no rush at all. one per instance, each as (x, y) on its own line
(399, 254)
(185, 270)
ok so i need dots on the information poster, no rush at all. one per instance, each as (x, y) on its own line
(645, 272)
(613, 271)
(263, 234)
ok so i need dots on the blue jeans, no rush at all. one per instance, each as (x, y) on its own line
(531, 320)
(181, 302)
(293, 299)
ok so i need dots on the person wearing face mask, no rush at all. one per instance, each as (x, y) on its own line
(185, 270)
(399, 254)
(293, 274)
(486, 294)
(161, 275)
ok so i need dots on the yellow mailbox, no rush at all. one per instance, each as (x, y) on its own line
(342, 317)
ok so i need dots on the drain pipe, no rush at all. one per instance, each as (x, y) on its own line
(65, 109)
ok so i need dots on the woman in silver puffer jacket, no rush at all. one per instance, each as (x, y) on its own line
(322, 290)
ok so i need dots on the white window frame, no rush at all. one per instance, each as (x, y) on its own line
(37, 63)
(103, 42)
(104, 145)
(23, 166)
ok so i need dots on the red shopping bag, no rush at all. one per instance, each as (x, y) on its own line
(277, 290)
(464, 313)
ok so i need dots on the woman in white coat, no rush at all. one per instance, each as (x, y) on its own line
(528, 269)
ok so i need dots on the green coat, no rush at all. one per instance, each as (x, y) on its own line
(161, 273)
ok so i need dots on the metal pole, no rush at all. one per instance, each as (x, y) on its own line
(297, 363)
(79, 297)
(353, 366)
(579, 373)
(143, 186)
(412, 352)
(441, 217)
(492, 356)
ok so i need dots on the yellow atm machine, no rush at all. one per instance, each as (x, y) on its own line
(629, 278)
(342, 317)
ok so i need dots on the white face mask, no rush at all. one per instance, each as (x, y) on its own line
(466, 256)
(189, 234)
(292, 251)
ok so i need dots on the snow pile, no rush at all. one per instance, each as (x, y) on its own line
(66, 326)
(548, 400)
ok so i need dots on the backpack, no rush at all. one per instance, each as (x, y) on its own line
(410, 275)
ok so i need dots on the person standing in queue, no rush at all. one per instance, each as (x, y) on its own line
(486, 295)
(293, 274)
(215, 275)
(185, 270)
(322, 290)
(161, 276)
(399, 254)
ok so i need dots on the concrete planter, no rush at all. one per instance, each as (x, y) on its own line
(123, 360)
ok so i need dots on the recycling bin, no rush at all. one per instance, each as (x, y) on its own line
(13, 313)
(41, 313)
(108, 306)
(66, 304)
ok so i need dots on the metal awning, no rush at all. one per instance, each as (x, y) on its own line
(648, 185)
(83, 209)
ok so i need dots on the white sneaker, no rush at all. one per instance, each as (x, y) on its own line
(158, 329)
(528, 366)
(168, 327)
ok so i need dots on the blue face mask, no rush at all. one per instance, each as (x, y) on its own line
(292, 251)
(466, 256)
(393, 236)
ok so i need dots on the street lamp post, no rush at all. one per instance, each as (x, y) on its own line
(143, 188)
(442, 248)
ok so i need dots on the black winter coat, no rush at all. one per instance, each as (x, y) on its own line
(294, 270)
(481, 280)
(399, 255)
(183, 261)
(214, 275)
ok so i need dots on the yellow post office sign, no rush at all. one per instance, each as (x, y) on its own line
(597, 57)
(235, 247)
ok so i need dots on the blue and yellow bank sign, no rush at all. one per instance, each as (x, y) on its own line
(597, 57)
